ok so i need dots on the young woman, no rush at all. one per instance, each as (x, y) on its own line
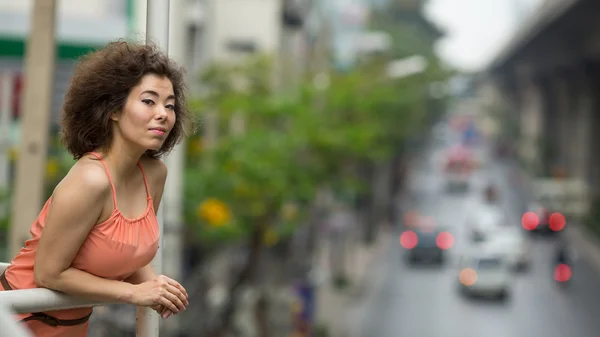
(97, 234)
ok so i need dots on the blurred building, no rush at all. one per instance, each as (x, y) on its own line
(548, 78)
(81, 26)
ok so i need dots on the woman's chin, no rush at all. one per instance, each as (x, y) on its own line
(154, 146)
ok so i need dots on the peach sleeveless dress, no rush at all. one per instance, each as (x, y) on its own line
(114, 249)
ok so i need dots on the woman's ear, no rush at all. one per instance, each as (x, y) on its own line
(114, 116)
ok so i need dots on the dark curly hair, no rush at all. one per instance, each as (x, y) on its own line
(100, 85)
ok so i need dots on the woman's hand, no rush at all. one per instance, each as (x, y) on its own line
(162, 311)
(161, 291)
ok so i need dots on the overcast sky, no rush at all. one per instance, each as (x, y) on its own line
(476, 29)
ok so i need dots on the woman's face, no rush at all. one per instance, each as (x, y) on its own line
(149, 113)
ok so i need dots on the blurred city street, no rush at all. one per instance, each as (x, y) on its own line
(372, 168)
(426, 301)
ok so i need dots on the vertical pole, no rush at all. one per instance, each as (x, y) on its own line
(37, 99)
(157, 31)
(10, 327)
(175, 161)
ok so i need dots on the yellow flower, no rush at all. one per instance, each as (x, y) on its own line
(13, 154)
(289, 212)
(51, 168)
(214, 212)
(270, 238)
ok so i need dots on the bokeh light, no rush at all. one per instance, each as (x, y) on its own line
(444, 240)
(468, 277)
(409, 240)
(562, 273)
(557, 222)
(530, 221)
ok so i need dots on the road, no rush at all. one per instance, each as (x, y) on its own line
(424, 302)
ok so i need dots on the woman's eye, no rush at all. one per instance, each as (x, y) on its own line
(148, 101)
(170, 107)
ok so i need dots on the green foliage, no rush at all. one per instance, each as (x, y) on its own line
(291, 145)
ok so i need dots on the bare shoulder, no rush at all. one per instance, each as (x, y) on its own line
(156, 169)
(87, 176)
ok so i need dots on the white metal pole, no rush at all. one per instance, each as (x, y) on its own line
(173, 194)
(10, 327)
(157, 32)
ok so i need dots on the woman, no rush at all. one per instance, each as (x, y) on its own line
(97, 234)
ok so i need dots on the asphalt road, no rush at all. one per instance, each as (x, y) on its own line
(425, 302)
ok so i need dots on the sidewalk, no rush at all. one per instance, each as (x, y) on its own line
(587, 243)
(337, 307)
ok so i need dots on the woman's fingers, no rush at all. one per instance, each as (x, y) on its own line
(178, 286)
(164, 301)
(177, 292)
(171, 295)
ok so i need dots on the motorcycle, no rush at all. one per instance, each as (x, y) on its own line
(491, 194)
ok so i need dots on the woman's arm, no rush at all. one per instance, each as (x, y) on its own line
(142, 275)
(77, 204)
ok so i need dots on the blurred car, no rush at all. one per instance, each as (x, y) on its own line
(485, 221)
(514, 245)
(458, 168)
(485, 272)
(425, 245)
(543, 220)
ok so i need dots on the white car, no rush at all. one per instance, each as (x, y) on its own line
(514, 245)
(485, 273)
(485, 221)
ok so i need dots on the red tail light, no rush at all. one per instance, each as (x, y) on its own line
(557, 222)
(530, 221)
(562, 273)
(444, 240)
(409, 240)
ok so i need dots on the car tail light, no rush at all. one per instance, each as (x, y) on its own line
(562, 273)
(409, 239)
(530, 221)
(444, 240)
(557, 222)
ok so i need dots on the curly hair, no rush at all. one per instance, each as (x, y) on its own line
(100, 85)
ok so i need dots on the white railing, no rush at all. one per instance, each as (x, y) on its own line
(40, 300)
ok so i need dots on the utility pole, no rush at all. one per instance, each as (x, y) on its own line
(37, 99)
(157, 31)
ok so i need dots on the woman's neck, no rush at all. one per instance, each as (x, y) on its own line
(122, 159)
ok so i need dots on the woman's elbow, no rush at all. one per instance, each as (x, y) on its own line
(42, 277)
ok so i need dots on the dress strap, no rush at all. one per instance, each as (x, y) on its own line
(148, 195)
(112, 186)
